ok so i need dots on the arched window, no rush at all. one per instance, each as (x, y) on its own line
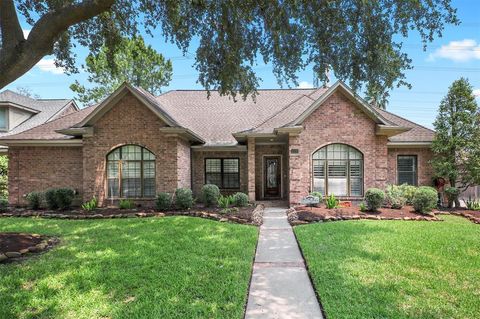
(130, 172)
(338, 170)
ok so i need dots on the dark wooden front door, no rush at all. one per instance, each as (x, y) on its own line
(272, 182)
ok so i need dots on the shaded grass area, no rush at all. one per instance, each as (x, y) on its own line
(395, 269)
(173, 267)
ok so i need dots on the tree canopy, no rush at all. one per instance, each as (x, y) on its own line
(456, 145)
(354, 38)
(135, 63)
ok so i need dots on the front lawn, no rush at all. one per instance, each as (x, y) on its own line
(172, 267)
(395, 269)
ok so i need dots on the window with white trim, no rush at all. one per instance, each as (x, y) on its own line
(338, 169)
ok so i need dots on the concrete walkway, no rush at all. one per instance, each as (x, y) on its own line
(280, 286)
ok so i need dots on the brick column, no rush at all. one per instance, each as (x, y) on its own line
(251, 168)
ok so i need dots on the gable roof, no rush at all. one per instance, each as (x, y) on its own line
(215, 119)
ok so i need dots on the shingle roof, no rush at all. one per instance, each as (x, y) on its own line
(45, 110)
(217, 117)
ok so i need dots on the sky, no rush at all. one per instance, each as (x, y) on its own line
(456, 54)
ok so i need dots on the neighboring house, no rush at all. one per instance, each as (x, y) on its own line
(282, 146)
(19, 113)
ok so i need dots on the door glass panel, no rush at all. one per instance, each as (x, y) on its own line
(271, 173)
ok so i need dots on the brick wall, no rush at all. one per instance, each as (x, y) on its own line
(260, 152)
(337, 120)
(39, 168)
(198, 161)
(424, 155)
(130, 122)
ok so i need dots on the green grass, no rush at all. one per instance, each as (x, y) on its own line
(173, 267)
(395, 269)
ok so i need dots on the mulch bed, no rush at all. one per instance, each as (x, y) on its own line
(472, 215)
(242, 215)
(14, 246)
(320, 214)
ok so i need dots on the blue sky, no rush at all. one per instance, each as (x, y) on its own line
(446, 59)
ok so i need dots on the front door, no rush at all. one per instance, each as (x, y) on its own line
(272, 177)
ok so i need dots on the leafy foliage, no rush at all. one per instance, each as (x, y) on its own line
(355, 39)
(3, 176)
(183, 198)
(394, 197)
(456, 148)
(363, 207)
(90, 205)
(135, 63)
(3, 205)
(64, 197)
(126, 204)
(226, 201)
(163, 202)
(374, 198)
(51, 198)
(210, 194)
(240, 199)
(331, 202)
(452, 194)
(425, 199)
(317, 194)
(472, 204)
(34, 200)
(408, 191)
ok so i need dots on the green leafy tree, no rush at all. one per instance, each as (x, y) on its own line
(360, 40)
(456, 145)
(135, 63)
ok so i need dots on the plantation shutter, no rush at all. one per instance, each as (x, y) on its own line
(407, 169)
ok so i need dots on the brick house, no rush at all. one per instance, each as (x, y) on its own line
(283, 145)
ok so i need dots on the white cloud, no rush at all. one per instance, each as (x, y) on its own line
(48, 65)
(26, 33)
(305, 85)
(458, 51)
(476, 93)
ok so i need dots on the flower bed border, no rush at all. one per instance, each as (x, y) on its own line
(470, 217)
(47, 243)
(257, 215)
(293, 218)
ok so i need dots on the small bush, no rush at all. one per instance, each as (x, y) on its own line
(317, 194)
(472, 204)
(183, 198)
(34, 200)
(425, 199)
(90, 205)
(210, 194)
(452, 194)
(374, 198)
(51, 198)
(363, 207)
(163, 202)
(126, 204)
(394, 197)
(331, 202)
(225, 201)
(240, 199)
(3, 205)
(408, 191)
(64, 197)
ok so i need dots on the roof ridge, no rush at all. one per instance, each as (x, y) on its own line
(285, 107)
(409, 121)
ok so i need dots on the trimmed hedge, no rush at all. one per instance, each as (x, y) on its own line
(183, 198)
(163, 202)
(425, 199)
(374, 198)
(241, 199)
(210, 194)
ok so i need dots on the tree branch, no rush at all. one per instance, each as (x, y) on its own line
(17, 60)
(12, 33)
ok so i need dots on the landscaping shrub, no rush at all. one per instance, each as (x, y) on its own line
(225, 201)
(183, 198)
(374, 198)
(317, 194)
(34, 200)
(472, 204)
(3, 205)
(163, 202)
(394, 197)
(126, 204)
(51, 198)
(408, 191)
(240, 199)
(331, 202)
(452, 194)
(363, 207)
(90, 205)
(64, 197)
(3, 176)
(210, 194)
(425, 199)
